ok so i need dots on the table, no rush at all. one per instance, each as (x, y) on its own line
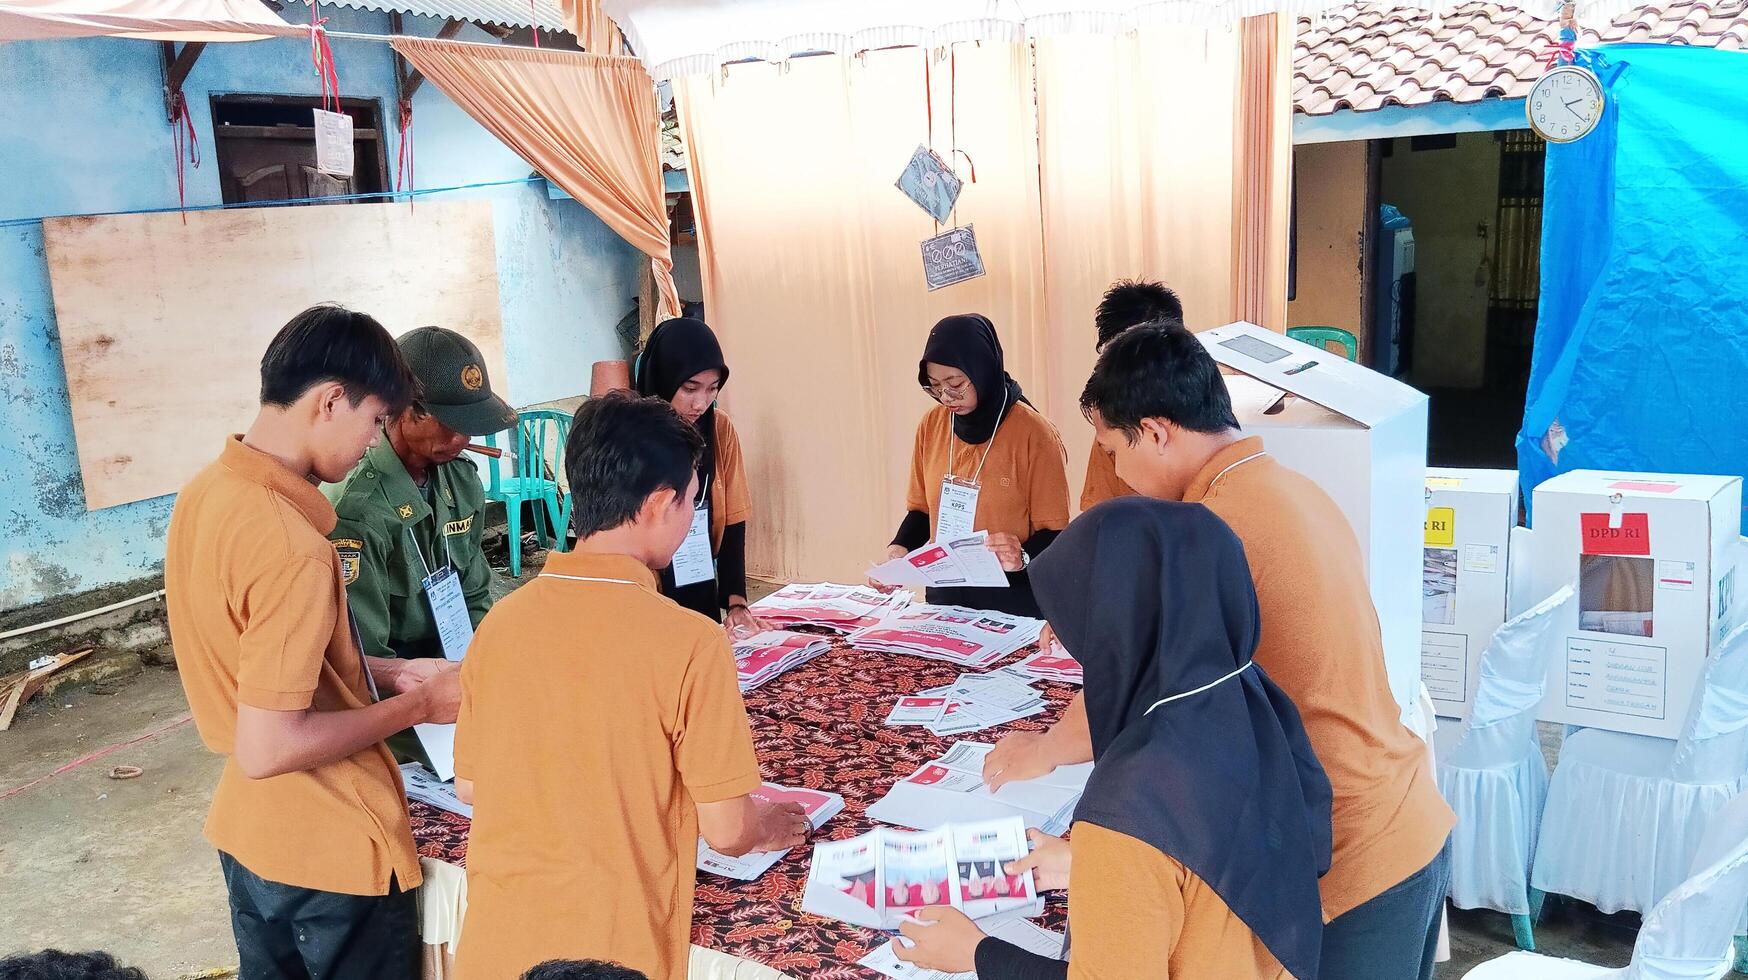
(821, 726)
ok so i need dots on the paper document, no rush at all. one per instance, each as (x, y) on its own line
(951, 789)
(877, 879)
(421, 785)
(1053, 664)
(438, 741)
(762, 656)
(820, 807)
(1026, 935)
(962, 563)
(972, 703)
(840, 608)
(967, 637)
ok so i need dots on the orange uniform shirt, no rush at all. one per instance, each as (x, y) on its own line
(1102, 482)
(258, 617)
(1024, 481)
(1320, 642)
(595, 716)
(729, 501)
(1137, 914)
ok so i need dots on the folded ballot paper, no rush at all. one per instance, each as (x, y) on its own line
(967, 637)
(962, 563)
(1053, 664)
(762, 656)
(1026, 935)
(820, 806)
(951, 790)
(877, 879)
(421, 785)
(841, 608)
(971, 703)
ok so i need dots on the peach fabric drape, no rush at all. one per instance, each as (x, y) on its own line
(1127, 166)
(596, 33)
(586, 122)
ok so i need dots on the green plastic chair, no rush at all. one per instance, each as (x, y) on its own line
(1322, 336)
(540, 435)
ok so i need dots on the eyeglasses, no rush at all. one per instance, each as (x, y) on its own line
(958, 390)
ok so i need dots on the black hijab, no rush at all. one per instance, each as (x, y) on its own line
(968, 342)
(1155, 599)
(676, 351)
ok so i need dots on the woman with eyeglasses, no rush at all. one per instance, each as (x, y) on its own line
(682, 364)
(985, 460)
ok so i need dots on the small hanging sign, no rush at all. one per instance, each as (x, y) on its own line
(929, 182)
(951, 257)
(333, 143)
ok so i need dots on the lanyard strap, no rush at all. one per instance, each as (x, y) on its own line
(953, 437)
(448, 557)
(1204, 687)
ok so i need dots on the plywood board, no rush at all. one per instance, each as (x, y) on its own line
(163, 324)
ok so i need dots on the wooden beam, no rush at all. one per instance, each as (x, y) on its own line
(408, 78)
(177, 65)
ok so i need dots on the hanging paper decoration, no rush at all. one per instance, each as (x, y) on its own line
(333, 127)
(929, 182)
(951, 257)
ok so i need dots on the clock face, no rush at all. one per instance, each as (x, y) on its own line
(1565, 104)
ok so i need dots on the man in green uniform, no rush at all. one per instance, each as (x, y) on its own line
(411, 513)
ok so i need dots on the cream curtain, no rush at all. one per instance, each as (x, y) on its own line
(154, 20)
(586, 122)
(1097, 157)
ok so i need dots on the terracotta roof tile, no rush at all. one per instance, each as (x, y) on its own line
(1364, 57)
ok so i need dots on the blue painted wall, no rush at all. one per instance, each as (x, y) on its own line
(85, 133)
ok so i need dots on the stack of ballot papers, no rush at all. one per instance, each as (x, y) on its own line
(877, 879)
(820, 807)
(762, 656)
(841, 608)
(962, 563)
(966, 637)
(1053, 664)
(971, 703)
(951, 790)
(426, 788)
(1026, 935)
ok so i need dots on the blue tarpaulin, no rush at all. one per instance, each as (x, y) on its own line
(1641, 349)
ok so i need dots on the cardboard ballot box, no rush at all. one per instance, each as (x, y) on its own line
(1361, 436)
(1654, 559)
(1464, 572)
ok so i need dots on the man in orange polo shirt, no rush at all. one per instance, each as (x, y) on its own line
(1126, 303)
(1162, 411)
(602, 729)
(309, 816)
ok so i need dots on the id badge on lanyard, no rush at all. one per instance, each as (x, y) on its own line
(693, 563)
(448, 606)
(958, 510)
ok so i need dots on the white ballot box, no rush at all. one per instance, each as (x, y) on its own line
(1359, 435)
(1464, 573)
(1653, 556)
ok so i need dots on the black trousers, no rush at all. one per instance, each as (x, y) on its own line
(289, 933)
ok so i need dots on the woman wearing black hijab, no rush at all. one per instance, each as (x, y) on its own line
(682, 364)
(1205, 825)
(993, 454)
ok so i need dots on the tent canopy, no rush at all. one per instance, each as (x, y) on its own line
(152, 20)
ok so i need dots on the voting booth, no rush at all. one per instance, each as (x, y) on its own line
(1653, 556)
(1359, 435)
(1465, 570)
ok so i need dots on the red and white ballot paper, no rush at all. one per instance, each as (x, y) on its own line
(879, 878)
(762, 656)
(841, 608)
(1053, 664)
(961, 563)
(951, 789)
(969, 704)
(967, 637)
(820, 807)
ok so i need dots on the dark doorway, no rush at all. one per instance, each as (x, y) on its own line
(266, 149)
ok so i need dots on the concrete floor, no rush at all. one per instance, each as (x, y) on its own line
(88, 862)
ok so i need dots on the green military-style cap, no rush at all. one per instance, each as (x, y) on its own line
(453, 381)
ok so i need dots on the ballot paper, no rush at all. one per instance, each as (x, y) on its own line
(1053, 664)
(967, 637)
(972, 703)
(951, 789)
(917, 710)
(961, 563)
(841, 608)
(820, 806)
(929, 182)
(762, 656)
(951, 257)
(879, 878)
(1026, 935)
(421, 785)
(438, 741)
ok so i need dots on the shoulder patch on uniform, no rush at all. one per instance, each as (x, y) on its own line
(351, 552)
(406, 511)
(459, 527)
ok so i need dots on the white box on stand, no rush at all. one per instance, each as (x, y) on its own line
(1464, 575)
(1653, 556)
